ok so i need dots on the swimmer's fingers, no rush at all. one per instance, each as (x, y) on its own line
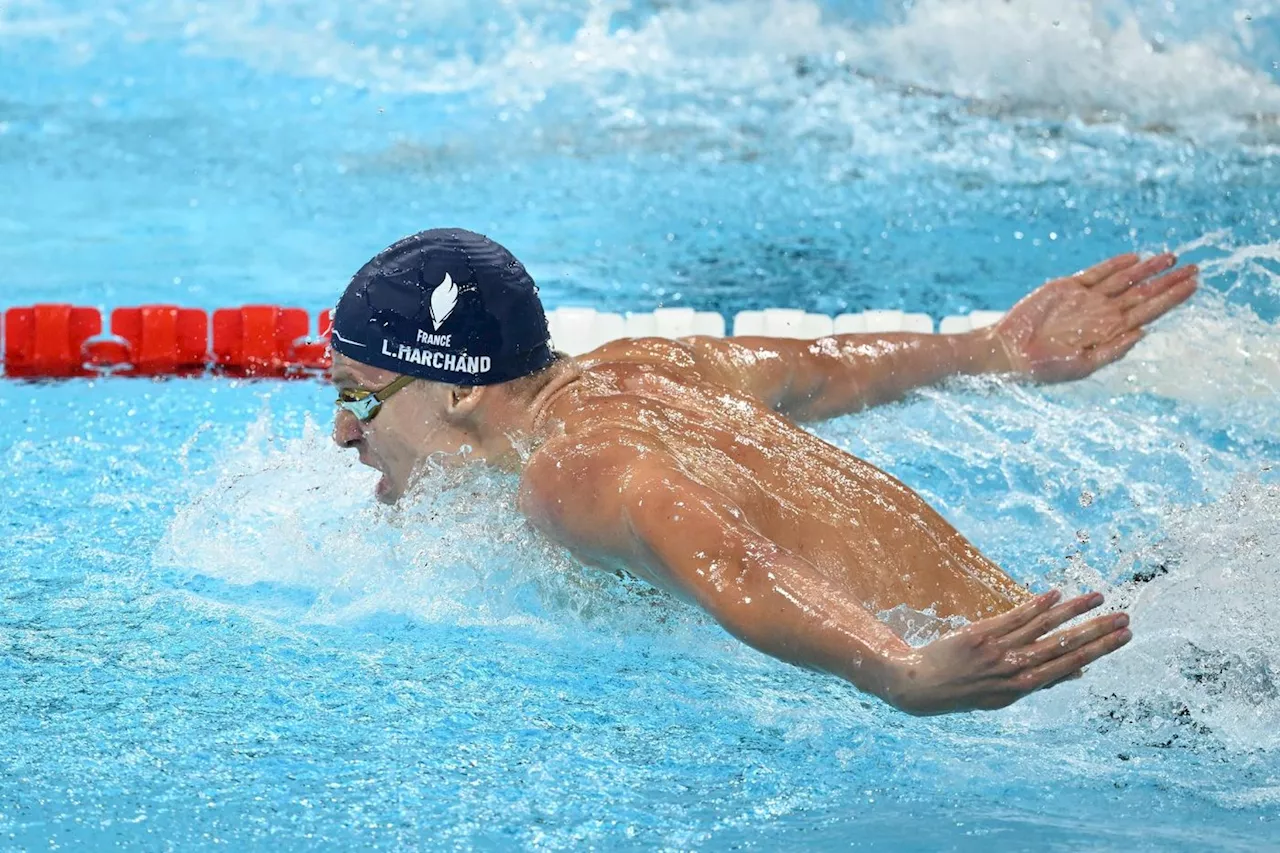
(1036, 678)
(1064, 643)
(1047, 621)
(1159, 297)
(1120, 281)
(1105, 270)
(1151, 288)
(999, 626)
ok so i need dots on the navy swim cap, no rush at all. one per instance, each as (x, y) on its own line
(445, 305)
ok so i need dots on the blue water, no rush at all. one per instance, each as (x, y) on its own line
(210, 634)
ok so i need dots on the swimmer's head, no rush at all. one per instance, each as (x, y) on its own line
(446, 324)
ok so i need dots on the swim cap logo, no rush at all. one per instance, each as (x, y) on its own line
(443, 300)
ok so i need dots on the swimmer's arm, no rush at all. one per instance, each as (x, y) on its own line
(837, 375)
(696, 544)
(621, 502)
(1065, 330)
(777, 602)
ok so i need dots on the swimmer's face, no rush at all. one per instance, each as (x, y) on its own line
(410, 426)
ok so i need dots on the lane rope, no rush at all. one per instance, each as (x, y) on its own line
(58, 340)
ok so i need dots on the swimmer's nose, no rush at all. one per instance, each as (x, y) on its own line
(346, 429)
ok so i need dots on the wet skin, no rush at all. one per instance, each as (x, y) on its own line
(653, 402)
(682, 462)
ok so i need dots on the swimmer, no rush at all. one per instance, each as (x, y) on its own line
(682, 462)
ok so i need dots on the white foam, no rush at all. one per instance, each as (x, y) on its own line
(1213, 352)
(1082, 57)
(1237, 359)
(1204, 663)
(1065, 55)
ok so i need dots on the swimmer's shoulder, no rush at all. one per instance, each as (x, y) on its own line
(587, 459)
(698, 359)
(667, 352)
(574, 486)
(682, 360)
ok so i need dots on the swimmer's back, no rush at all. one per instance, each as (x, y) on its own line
(847, 518)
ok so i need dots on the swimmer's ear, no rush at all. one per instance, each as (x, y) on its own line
(463, 400)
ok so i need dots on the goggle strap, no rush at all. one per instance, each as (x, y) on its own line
(385, 393)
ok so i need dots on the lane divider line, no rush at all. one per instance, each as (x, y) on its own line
(57, 340)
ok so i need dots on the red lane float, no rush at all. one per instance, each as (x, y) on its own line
(164, 338)
(48, 341)
(256, 340)
(154, 340)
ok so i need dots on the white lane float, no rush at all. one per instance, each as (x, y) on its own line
(578, 330)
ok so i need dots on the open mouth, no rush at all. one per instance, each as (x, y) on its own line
(382, 490)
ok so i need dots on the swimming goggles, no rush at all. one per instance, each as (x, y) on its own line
(365, 404)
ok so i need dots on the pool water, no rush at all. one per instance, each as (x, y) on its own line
(211, 635)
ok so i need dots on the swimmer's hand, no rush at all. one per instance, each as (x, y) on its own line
(1073, 326)
(995, 662)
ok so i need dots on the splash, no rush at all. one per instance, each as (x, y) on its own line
(298, 513)
(666, 63)
(1235, 374)
(1203, 670)
(1068, 57)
